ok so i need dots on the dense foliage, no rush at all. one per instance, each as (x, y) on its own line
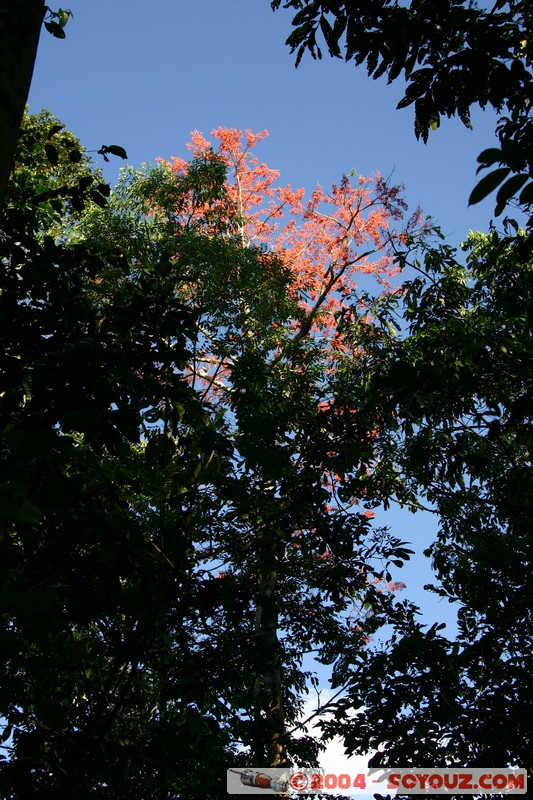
(460, 400)
(84, 510)
(268, 357)
(208, 384)
(177, 441)
(453, 55)
(456, 386)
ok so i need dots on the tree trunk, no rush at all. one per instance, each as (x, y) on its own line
(270, 718)
(20, 26)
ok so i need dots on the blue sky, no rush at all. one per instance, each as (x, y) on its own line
(144, 73)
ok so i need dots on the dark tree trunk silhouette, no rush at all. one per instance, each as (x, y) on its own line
(270, 719)
(20, 27)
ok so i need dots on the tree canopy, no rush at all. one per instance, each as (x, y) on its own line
(210, 382)
(178, 441)
(452, 56)
(459, 394)
(82, 639)
(449, 365)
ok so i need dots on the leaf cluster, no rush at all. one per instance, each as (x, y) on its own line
(452, 56)
(56, 21)
(456, 394)
(142, 518)
(96, 505)
(53, 168)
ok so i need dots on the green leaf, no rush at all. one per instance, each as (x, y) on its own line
(63, 16)
(487, 185)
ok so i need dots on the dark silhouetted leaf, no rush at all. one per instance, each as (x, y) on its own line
(98, 198)
(526, 195)
(116, 150)
(487, 185)
(51, 154)
(53, 130)
(489, 157)
(508, 190)
(55, 29)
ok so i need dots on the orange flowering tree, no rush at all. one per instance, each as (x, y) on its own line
(286, 561)
(312, 251)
